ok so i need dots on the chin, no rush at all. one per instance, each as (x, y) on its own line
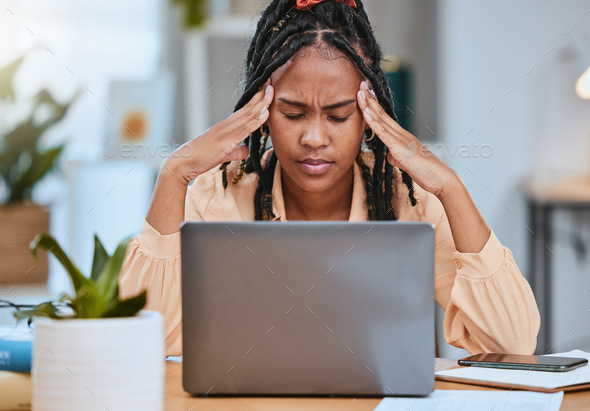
(316, 184)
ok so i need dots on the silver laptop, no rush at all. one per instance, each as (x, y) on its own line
(308, 308)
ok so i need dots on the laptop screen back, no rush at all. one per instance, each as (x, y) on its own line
(308, 308)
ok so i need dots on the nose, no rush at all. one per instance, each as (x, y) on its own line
(315, 136)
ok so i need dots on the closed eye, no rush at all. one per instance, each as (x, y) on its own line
(339, 119)
(294, 117)
(335, 119)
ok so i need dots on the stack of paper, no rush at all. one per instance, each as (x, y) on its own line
(448, 400)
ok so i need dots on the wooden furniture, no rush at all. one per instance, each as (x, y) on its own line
(544, 196)
(177, 399)
(20, 224)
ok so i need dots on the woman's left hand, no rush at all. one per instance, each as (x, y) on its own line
(405, 151)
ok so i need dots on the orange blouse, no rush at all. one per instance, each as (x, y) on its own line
(489, 306)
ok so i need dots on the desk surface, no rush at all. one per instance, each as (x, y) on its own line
(177, 399)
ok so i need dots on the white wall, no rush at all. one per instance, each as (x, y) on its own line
(505, 55)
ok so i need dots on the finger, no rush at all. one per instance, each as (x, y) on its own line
(379, 112)
(255, 117)
(391, 159)
(379, 115)
(368, 99)
(380, 127)
(243, 122)
(249, 124)
(233, 131)
(254, 107)
(263, 96)
(402, 146)
(388, 129)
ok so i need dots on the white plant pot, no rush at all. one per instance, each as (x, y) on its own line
(99, 364)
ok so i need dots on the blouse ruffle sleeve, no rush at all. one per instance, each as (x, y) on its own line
(489, 306)
(153, 263)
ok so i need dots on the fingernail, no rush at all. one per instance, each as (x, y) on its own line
(363, 95)
(263, 112)
(368, 111)
(364, 85)
(267, 89)
(372, 93)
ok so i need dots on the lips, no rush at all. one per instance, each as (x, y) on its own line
(315, 165)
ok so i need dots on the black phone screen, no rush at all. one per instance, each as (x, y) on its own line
(541, 362)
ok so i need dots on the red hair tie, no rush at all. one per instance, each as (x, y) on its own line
(308, 4)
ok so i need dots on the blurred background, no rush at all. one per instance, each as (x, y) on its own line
(102, 91)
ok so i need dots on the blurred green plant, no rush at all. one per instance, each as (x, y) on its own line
(23, 162)
(96, 296)
(194, 11)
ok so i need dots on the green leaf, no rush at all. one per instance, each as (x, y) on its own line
(100, 259)
(89, 302)
(95, 297)
(21, 138)
(128, 307)
(41, 163)
(48, 243)
(46, 309)
(58, 111)
(108, 279)
(18, 143)
(22, 142)
(6, 76)
(195, 12)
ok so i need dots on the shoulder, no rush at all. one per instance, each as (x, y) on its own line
(209, 200)
(212, 180)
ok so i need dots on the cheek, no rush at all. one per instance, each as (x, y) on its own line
(274, 119)
(355, 130)
(275, 125)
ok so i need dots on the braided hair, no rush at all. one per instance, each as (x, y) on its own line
(280, 34)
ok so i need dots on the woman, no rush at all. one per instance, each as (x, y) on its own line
(314, 87)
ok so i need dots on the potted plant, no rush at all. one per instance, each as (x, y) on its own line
(194, 12)
(93, 350)
(23, 163)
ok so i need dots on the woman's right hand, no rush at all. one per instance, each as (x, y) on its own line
(220, 143)
(217, 145)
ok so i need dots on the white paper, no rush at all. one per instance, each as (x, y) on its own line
(464, 400)
(542, 379)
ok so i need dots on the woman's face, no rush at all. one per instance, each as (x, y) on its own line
(315, 123)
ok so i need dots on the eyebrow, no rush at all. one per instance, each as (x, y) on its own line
(328, 107)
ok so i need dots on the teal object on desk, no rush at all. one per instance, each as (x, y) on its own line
(16, 351)
(400, 83)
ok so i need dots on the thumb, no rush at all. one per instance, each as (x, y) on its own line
(239, 153)
(392, 160)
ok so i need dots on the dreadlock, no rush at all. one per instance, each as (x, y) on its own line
(280, 34)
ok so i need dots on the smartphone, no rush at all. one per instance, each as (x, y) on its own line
(524, 362)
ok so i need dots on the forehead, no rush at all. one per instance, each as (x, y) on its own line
(317, 70)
